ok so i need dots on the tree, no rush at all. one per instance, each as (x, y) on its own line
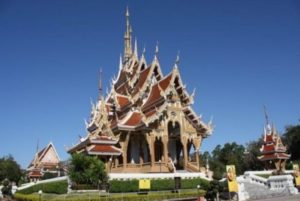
(87, 170)
(9, 169)
(291, 137)
(230, 153)
(251, 156)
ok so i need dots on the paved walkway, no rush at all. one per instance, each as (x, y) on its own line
(285, 198)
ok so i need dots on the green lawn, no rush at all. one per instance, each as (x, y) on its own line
(94, 196)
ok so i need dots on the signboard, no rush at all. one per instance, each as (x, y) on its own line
(144, 184)
(296, 174)
(231, 178)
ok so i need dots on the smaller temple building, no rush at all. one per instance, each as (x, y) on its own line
(44, 161)
(273, 152)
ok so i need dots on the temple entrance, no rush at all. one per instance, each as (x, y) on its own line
(138, 150)
(175, 147)
(158, 149)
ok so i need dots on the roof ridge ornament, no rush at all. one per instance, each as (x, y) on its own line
(177, 60)
(100, 84)
(156, 52)
(120, 63)
(135, 49)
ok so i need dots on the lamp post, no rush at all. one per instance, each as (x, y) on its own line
(198, 189)
(159, 166)
(110, 163)
(40, 194)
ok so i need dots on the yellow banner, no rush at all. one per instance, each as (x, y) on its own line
(231, 178)
(144, 184)
(296, 174)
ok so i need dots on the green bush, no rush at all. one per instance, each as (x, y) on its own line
(119, 186)
(59, 187)
(193, 183)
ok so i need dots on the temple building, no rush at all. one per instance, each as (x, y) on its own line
(146, 122)
(273, 152)
(45, 161)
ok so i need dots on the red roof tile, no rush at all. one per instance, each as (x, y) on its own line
(143, 77)
(155, 92)
(122, 101)
(134, 120)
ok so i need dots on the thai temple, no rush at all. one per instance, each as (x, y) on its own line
(45, 160)
(146, 123)
(273, 152)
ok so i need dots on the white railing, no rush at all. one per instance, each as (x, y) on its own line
(129, 176)
(27, 185)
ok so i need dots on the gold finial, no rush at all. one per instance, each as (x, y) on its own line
(127, 37)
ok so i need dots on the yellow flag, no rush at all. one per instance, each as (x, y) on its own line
(296, 174)
(231, 178)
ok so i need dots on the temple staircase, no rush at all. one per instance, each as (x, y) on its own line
(256, 191)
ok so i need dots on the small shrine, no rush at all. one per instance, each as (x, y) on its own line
(273, 152)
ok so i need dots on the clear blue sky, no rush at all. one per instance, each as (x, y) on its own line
(238, 55)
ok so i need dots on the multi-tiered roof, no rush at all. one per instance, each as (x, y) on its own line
(272, 147)
(139, 96)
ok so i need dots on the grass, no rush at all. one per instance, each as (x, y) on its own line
(95, 196)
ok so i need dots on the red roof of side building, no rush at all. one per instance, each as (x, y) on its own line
(103, 150)
(35, 173)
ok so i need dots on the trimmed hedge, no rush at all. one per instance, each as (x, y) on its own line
(95, 197)
(119, 186)
(193, 183)
(59, 187)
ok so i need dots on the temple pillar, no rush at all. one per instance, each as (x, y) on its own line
(185, 152)
(124, 160)
(150, 141)
(197, 159)
(165, 144)
(197, 143)
(124, 146)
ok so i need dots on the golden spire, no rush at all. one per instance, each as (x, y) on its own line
(127, 37)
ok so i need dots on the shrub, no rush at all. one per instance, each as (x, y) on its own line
(59, 187)
(119, 186)
(162, 184)
(193, 183)
(87, 170)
